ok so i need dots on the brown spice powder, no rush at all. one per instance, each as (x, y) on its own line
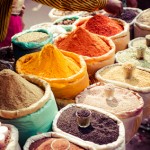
(16, 92)
(139, 78)
(44, 144)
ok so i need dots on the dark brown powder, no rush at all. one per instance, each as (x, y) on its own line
(16, 92)
(102, 130)
(44, 144)
(83, 113)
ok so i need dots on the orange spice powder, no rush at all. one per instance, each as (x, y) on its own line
(84, 43)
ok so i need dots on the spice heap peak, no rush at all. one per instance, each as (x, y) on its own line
(84, 43)
(103, 25)
(16, 92)
(50, 62)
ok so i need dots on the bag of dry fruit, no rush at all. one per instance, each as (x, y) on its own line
(30, 41)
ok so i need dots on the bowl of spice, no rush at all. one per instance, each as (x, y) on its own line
(30, 41)
(54, 141)
(105, 131)
(55, 14)
(66, 22)
(116, 29)
(97, 51)
(72, 72)
(138, 82)
(118, 101)
(142, 24)
(23, 101)
(139, 56)
(8, 137)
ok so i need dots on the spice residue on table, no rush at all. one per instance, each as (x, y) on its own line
(83, 42)
(16, 92)
(103, 25)
(103, 129)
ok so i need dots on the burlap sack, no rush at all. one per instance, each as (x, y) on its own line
(119, 144)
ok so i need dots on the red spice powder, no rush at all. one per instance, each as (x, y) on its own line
(83, 43)
(103, 25)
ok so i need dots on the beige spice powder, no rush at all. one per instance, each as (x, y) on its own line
(16, 92)
(139, 78)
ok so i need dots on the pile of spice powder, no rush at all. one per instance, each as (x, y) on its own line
(140, 78)
(16, 92)
(44, 144)
(103, 25)
(83, 42)
(50, 63)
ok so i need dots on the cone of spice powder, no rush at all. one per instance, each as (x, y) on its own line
(16, 93)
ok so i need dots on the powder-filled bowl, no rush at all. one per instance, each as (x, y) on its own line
(120, 39)
(45, 140)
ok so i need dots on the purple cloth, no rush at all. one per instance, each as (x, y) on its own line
(15, 26)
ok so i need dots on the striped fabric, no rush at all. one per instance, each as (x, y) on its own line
(75, 5)
(71, 5)
(5, 13)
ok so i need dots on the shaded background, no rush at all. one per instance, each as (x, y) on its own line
(35, 13)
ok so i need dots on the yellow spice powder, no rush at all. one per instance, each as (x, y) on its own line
(50, 63)
(139, 77)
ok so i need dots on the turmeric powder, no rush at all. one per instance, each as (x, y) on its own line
(49, 63)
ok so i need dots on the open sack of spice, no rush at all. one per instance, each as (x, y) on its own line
(129, 76)
(142, 24)
(25, 102)
(97, 51)
(54, 29)
(139, 56)
(116, 29)
(66, 22)
(123, 103)
(54, 140)
(66, 72)
(90, 125)
(30, 41)
(129, 15)
(55, 14)
(9, 137)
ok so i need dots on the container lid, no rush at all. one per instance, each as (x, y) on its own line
(123, 103)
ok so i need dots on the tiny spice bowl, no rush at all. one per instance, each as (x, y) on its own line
(83, 117)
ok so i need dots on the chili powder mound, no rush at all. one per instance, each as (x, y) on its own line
(84, 43)
(103, 25)
(102, 130)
